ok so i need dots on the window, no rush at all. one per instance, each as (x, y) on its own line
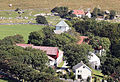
(79, 71)
(83, 66)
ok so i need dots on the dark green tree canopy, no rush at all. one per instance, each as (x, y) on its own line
(111, 66)
(112, 14)
(41, 20)
(62, 11)
(47, 37)
(74, 53)
(10, 40)
(25, 64)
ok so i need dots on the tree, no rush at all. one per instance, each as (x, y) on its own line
(95, 12)
(74, 53)
(112, 14)
(98, 42)
(110, 66)
(116, 50)
(41, 20)
(62, 11)
(36, 37)
(47, 37)
(11, 40)
(26, 64)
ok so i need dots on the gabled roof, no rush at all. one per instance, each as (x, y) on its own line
(79, 65)
(78, 12)
(48, 50)
(62, 23)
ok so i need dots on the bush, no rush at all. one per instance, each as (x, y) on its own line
(66, 76)
(110, 79)
(95, 79)
(112, 14)
(41, 20)
(72, 76)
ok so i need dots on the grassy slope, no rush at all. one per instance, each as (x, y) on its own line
(98, 74)
(76, 4)
(24, 30)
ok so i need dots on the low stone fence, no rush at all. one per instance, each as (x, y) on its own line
(25, 23)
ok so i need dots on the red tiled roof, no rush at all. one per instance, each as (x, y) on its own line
(78, 12)
(82, 39)
(48, 50)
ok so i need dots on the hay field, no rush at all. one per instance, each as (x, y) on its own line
(72, 4)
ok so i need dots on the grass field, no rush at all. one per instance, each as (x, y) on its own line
(24, 30)
(72, 4)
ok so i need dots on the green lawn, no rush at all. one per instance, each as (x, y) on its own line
(24, 30)
(1, 80)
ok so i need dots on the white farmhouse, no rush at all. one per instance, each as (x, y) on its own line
(82, 71)
(61, 27)
(94, 61)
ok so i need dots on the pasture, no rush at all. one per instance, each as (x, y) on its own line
(24, 30)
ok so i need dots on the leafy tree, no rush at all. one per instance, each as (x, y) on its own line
(98, 42)
(112, 14)
(47, 37)
(36, 37)
(26, 64)
(110, 65)
(116, 50)
(41, 20)
(62, 11)
(74, 53)
(10, 40)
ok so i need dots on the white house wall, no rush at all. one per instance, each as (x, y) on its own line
(59, 59)
(52, 63)
(84, 72)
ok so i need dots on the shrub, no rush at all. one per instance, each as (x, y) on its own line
(41, 20)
